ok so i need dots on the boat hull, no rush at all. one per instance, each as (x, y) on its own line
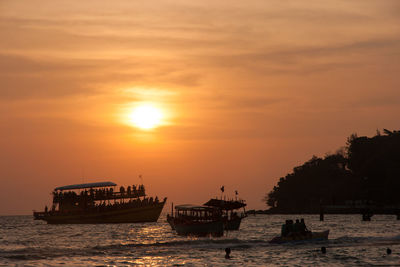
(149, 213)
(233, 224)
(315, 236)
(214, 228)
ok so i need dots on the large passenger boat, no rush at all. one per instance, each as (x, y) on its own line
(101, 203)
(195, 220)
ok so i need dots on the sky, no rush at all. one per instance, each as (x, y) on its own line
(247, 90)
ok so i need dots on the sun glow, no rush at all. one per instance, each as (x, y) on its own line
(146, 117)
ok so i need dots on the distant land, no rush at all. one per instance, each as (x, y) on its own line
(366, 171)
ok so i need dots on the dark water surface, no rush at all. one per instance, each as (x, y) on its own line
(25, 242)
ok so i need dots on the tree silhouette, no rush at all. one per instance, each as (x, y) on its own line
(368, 169)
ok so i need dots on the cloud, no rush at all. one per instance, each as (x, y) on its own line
(307, 59)
(239, 101)
(24, 77)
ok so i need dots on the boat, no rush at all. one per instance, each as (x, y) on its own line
(92, 203)
(193, 220)
(308, 236)
(231, 218)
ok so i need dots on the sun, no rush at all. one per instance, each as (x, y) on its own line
(146, 117)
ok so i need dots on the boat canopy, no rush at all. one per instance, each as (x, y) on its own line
(192, 207)
(225, 204)
(82, 186)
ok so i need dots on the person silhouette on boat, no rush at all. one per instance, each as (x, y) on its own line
(296, 227)
(284, 230)
(303, 227)
(122, 190)
(290, 227)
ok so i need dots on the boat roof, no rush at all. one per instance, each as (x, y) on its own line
(82, 186)
(225, 204)
(192, 207)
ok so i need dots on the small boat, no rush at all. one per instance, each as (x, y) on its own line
(308, 236)
(231, 218)
(193, 220)
(100, 203)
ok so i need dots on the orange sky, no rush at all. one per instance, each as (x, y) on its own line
(250, 89)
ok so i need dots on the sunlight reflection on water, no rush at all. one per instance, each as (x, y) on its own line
(351, 242)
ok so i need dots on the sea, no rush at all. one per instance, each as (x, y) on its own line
(352, 242)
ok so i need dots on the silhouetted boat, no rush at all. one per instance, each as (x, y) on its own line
(230, 216)
(309, 236)
(196, 220)
(99, 203)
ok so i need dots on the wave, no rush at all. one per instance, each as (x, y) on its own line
(177, 246)
(45, 253)
(354, 241)
(347, 238)
(234, 242)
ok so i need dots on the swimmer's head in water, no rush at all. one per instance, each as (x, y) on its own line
(227, 251)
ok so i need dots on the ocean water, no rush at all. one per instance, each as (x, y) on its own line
(352, 242)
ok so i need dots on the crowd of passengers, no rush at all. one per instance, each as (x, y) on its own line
(98, 194)
(110, 205)
(294, 229)
(133, 203)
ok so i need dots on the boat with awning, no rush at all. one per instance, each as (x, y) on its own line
(229, 210)
(196, 220)
(101, 202)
